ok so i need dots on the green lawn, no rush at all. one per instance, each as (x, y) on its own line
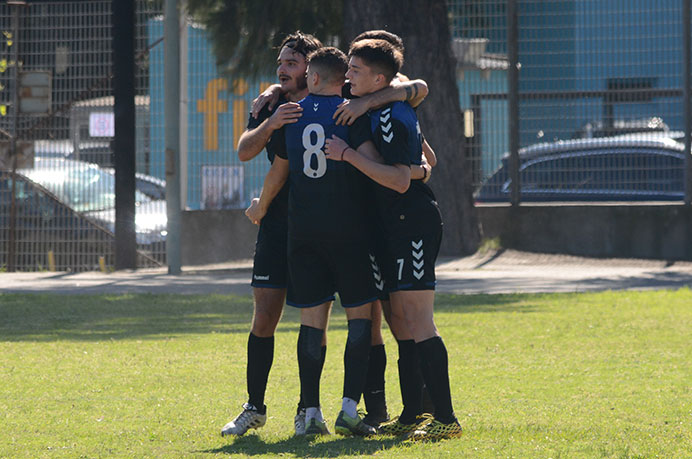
(546, 376)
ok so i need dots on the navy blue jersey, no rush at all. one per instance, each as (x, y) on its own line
(278, 209)
(326, 198)
(397, 136)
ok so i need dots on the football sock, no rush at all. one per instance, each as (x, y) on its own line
(410, 381)
(373, 393)
(349, 406)
(433, 359)
(356, 357)
(314, 412)
(301, 403)
(310, 364)
(260, 355)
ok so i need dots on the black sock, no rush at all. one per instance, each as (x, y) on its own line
(260, 355)
(373, 393)
(310, 363)
(356, 357)
(301, 402)
(410, 381)
(433, 358)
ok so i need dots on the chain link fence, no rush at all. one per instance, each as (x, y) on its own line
(600, 97)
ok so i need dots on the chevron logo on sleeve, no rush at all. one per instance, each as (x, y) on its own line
(386, 125)
(418, 262)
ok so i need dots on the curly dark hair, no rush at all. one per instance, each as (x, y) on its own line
(302, 43)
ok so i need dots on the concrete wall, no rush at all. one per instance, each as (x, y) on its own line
(215, 236)
(629, 231)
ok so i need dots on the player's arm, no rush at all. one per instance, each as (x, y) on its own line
(396, 177)
(273, 182)
(429, 153)
(413, 92)
(420, 171)
(269, 97)
(252, 141)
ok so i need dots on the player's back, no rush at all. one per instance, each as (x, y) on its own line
(326, 197)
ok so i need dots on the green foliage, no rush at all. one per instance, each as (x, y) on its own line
(560, 375)
(245, 34)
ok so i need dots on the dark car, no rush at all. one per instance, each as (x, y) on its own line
(624, 168)
(75, 240)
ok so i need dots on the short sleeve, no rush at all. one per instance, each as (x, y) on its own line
(394, 146)
(359, 132)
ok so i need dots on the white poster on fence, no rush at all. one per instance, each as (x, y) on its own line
(222, 187)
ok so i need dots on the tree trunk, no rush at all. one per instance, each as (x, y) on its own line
(423, 27)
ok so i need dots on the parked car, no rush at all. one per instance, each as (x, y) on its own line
(90, 191)
(652, 125)
(623, 168)
(45, 225)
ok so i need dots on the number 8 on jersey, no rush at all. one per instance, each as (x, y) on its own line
(314, 149)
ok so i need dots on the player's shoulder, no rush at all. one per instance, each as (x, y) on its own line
(403, 110)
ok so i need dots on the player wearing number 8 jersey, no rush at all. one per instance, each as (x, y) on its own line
(327, 239)
(411, 223)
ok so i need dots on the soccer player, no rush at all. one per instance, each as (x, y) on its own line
(269, 273)
(328, 244)
(412, 225)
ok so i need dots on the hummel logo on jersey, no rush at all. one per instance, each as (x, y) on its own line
(256, 277)
(386, 125)
(379, 282)
(418, 261)
(315, 106)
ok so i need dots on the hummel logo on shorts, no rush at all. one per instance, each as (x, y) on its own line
(256, 277)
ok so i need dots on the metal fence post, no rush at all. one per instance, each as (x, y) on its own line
(172, 134)
(513, 99)
(687, 49)
(124, 140)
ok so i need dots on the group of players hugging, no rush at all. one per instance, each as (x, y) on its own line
(345, 209)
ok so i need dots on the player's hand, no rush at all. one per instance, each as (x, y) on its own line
(269, 96)
(334, 148)
(286, 114)
(349, 111)
(254, 213)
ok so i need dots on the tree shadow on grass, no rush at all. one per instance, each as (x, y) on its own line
(31, 317)
(253, 445)
(106, 317)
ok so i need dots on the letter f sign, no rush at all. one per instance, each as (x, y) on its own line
(211, 106)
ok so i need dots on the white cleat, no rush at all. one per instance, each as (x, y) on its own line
(248, 419)
(299, 422)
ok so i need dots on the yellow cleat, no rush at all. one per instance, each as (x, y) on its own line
(436, 430)
(397, 428)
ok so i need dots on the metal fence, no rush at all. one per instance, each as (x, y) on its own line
(599, 99)
(59, 211)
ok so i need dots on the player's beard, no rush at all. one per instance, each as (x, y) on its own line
(301, 83)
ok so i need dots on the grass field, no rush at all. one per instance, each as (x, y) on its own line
(545, 376)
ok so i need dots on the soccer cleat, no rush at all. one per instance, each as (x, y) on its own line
(397, 428)
(316, 427)
(437, 431)
(346, 425)
(375, 419)
(299, 422)
(249, 418)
